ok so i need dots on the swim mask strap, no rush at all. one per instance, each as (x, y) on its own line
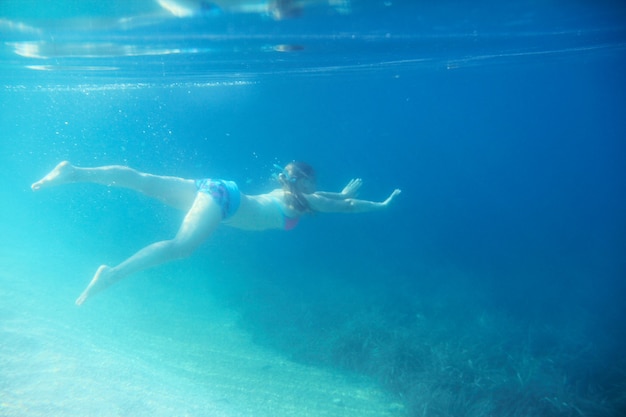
(285, 175)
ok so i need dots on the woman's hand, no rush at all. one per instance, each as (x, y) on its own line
(352, 189)
(393, 195)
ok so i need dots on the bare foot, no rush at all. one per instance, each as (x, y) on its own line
(61, 174)
(100, 281)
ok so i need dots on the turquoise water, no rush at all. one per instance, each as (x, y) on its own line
(493, 287)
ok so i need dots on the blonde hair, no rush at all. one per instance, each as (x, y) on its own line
(292, 178)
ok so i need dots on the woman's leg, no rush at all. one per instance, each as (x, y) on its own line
(203, 217)
(173, 191)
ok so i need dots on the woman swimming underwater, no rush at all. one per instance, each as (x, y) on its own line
(209, 202)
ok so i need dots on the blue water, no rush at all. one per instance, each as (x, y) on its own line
(494, 286)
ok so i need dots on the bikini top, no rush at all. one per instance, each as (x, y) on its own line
(289, 223)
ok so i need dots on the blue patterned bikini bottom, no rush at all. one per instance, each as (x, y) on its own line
(225, 193)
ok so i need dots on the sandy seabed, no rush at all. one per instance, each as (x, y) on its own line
(55, 364)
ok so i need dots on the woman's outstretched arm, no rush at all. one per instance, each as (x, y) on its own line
(320, 203)
(349, 191)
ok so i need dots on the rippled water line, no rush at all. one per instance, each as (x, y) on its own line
(122, 86)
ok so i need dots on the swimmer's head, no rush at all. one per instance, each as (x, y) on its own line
(298, 177)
